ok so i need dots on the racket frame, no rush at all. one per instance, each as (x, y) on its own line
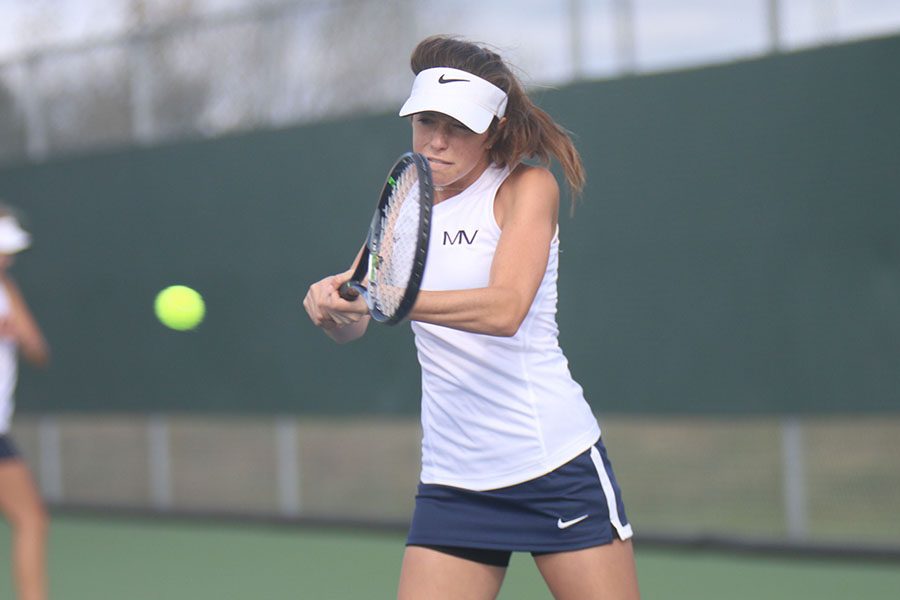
(367, 263)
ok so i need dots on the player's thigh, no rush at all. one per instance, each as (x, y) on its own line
(20, 500)
(602, 572)
(432, 574)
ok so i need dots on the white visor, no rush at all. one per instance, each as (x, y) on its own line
(469, 99)
(12, 237)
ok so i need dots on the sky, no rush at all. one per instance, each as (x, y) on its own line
(667, 33)
(296, 68)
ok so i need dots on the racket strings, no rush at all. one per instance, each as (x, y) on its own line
(397, 244)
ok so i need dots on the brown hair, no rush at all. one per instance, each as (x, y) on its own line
(529, 131)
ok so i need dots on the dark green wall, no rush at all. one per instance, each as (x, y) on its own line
(737, 251)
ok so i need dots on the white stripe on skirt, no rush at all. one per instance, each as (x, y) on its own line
(624, 531)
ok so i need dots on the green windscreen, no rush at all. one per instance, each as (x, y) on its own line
(737, 250)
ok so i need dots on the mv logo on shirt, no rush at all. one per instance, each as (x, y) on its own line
(460, 237)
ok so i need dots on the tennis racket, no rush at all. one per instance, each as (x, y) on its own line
(389, 270)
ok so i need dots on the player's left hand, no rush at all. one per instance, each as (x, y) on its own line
(327, 309)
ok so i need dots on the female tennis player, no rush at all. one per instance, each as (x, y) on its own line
(19, 499)
(512, 459)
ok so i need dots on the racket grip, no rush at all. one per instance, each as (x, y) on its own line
(347, 291)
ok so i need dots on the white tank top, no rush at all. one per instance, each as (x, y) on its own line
(496, 411)
(8, 367)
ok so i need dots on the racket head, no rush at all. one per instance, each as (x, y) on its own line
(398, 240)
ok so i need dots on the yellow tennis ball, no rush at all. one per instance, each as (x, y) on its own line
(179, 307)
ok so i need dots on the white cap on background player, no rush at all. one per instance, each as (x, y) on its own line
(469, 99)
(12, 237)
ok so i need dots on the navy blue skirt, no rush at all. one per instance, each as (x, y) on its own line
(7, 448)
(578, 505)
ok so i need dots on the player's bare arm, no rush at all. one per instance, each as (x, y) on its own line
(24, 327)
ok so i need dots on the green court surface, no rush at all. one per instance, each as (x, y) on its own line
(99, 559)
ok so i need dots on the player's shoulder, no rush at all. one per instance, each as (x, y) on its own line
(532, 178)
(528, 183)
(529, 190)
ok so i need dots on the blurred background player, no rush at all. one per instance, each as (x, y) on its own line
(20, 501)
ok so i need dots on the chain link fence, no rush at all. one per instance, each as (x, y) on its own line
(819, 484)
